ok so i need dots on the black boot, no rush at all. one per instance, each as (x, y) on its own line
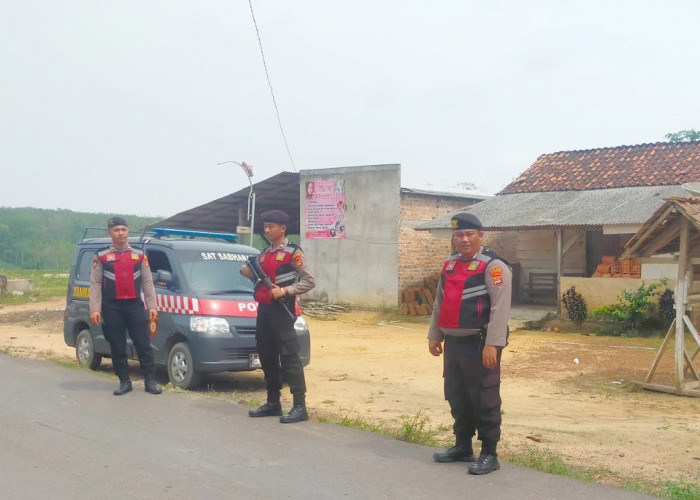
(267, 410)
(459, 452)
(150, 385)
(298, 411)
(124, 387)
(487, 462)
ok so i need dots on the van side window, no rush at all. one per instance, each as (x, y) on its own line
(84, 265)
(158, 261)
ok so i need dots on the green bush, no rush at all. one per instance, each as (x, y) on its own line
(575, 306)
(634, 309)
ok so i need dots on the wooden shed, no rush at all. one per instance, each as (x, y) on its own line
(672, 235)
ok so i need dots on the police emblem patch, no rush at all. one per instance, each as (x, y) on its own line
(298, 259)
(451, 265)
(280, 256)
(94, 261)
(134, 256)
(111, 257)
(145, 260)
(496, 276)
(473, 265)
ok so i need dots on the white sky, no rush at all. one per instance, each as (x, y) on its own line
(128, 106)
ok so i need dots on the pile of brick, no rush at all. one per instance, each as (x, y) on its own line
(612, 267)
(418, 300)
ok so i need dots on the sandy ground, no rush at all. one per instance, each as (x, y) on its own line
(361, 367)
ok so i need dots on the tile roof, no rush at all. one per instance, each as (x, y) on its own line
(595, 208)
(658, 164)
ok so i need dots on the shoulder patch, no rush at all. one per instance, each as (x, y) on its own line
(95, 259)
(496, 276)
(298, 258)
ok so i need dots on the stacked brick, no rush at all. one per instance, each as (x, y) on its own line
(612, 267)
(418, 300)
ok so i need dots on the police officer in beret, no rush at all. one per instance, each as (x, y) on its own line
(277, 343)
(470, 315)
(120, 274)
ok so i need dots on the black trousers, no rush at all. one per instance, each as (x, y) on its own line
(278, 348)
(118, 316)
(473, 392)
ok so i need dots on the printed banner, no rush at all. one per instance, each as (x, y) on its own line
(325, 209)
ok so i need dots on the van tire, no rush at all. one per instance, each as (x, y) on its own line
(180, 367)
(85, 351)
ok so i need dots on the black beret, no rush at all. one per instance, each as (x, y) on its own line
(275, 216)
(116, 221)
(464, 220)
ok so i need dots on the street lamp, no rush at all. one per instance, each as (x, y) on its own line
(248, 169)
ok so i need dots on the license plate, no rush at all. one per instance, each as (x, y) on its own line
(254, 361)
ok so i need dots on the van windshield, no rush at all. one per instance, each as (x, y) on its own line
(215, 273)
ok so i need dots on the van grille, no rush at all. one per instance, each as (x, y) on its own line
(239, 353)
(245, 330)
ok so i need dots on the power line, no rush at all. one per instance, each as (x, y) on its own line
(267, 74)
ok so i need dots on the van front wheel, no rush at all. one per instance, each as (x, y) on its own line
(181, 370)
(85, 351)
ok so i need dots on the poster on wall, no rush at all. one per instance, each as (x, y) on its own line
(325, 209)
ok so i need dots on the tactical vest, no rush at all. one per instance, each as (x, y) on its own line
(466, 302)
(121, 273)
(278, 266)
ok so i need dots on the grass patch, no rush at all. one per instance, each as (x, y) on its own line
(47, 285)
(412, 429)
(683, 491)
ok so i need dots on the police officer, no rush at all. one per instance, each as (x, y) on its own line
(277, 342)
(120, 274)
(470, 314)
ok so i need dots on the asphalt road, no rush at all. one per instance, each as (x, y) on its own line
(64, 435)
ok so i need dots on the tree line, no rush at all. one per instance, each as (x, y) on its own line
(35, 238)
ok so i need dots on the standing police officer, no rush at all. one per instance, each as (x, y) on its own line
(277, 342)
(119, 274)
(470, 313)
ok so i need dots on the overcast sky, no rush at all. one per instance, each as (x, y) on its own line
(128, 106)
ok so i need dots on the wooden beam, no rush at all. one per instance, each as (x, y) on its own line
(669, 389)
(647, 232)
(659, 353)
(665, 237)
(560, 258)
(681, 301)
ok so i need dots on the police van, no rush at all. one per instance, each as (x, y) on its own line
(206, 310)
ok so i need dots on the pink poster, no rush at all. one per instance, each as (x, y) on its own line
(325, 209)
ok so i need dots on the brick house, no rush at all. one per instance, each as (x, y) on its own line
(572, 209)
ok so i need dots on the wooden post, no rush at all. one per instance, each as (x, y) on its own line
(681, 299)
(560, 257)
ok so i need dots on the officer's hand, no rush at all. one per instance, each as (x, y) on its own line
(245, 271)
(96, 318)
(277, 292)
(489, 358)
(435, 347)
(152, 314)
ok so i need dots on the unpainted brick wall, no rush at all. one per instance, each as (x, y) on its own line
(420, 253)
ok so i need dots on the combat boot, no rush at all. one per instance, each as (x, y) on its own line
(267, 410)
(150, 385)
(124, 387)
(298, 411)
(487, 462)
(459, 452)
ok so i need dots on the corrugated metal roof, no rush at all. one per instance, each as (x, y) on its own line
(631, 205)
(446, 192)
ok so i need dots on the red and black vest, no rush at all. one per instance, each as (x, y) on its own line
(466, 302)
(278, 266)
(121, 273)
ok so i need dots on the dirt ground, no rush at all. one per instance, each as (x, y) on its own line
(588, 413)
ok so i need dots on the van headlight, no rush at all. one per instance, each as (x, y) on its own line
(208, 324)
(300, 324)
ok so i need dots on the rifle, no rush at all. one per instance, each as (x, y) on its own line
(261, 278)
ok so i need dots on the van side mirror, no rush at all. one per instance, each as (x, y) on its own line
(164, 278)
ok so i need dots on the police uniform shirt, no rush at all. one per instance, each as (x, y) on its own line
(499, 282)
(306, 281)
